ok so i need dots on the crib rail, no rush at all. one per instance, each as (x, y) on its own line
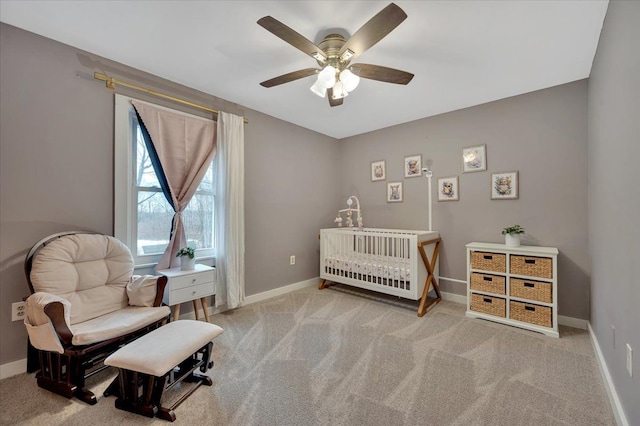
(378, 259)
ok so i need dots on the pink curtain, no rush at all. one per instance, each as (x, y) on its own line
(185, 146)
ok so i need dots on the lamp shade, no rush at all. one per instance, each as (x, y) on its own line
(349, 79)
(319, 89)
(327, 77)
(339, 91)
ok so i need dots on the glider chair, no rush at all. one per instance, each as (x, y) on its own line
(85, 304)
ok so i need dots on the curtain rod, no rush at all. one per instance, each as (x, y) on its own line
(111, 84)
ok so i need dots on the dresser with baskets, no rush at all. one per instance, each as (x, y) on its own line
(517, 286)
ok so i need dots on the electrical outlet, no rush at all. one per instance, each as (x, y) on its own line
(292, 260)
(629, 360)
(18, 311)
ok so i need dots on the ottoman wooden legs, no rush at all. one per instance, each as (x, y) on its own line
(142, 393)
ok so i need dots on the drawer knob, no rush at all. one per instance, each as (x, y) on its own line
(530, 261)
(529, 285)
(529, 308)
(193, 280)
(488, 278)
(488, 257)
(487, 300)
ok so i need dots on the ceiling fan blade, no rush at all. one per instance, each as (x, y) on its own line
(298, 41)
(334, 102)
(376, 72)
(286, 78)
(374, 30)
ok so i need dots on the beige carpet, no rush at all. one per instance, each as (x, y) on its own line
(343, 357)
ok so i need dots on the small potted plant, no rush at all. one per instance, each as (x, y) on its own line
(512, 235)
(187, 257)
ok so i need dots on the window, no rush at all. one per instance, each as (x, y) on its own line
(143, 216)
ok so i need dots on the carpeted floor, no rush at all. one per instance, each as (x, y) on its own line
(345, 357)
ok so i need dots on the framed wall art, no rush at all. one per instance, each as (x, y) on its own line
(504, 186)
(474, 159)
(378, 170)
(413, 166)
(394, 192)
(448, 189)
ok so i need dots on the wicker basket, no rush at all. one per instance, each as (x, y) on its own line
(489, 305)
(488, 261)
(533, 314)
(531, 266)
(489, 283)
(532, 290)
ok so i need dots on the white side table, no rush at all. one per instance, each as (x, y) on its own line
(184, 286)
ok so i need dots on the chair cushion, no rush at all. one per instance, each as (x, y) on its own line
(91, 271)
(116, 324)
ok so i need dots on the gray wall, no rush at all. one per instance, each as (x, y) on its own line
(542, 135)
(614, 197)
(56, 169)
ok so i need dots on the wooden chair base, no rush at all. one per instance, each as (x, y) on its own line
(65, 374)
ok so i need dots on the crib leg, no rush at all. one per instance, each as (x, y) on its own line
(324, 284)
(425, 302)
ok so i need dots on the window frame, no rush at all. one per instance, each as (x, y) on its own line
(125, 209)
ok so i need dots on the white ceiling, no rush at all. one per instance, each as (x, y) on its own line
(463, 53)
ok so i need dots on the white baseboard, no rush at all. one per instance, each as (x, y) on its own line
(453, 297)
(616, 405)
(573, 322)
(13, 368)
(279, 291)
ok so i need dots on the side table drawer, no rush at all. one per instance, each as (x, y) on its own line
(190, 293)
(191, 280)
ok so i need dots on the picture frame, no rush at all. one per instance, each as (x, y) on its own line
(504, 186)
(448, 189)
(413, 166)
(474, 159)
(378, 170)
(394, 192)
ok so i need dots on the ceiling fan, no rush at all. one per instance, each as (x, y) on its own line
(337, 77)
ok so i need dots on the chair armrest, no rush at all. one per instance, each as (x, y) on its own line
(47, 321)
(55, 311)
(161, 284)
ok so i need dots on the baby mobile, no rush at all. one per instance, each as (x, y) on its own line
(350, 211)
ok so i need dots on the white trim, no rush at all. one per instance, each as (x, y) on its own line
(616, 405)
(573, 322)
(452, 279)
(453, 297)
(14, 368)
(279, 291)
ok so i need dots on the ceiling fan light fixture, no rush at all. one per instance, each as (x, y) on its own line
(349, 80)
(339, 91)
(327, 77)
(319, 89)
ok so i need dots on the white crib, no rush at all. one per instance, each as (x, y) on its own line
(390, 261)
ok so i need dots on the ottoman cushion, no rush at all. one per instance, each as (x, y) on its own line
(161, 350)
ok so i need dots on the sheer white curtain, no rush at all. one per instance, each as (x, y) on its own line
(230, 210)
